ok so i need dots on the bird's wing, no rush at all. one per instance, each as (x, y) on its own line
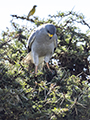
(31, 40)
(55, 42)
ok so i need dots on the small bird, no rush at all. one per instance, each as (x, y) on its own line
(32, 11)
(41, 44)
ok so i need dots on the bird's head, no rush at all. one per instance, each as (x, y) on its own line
(34, 6)
(50, 29)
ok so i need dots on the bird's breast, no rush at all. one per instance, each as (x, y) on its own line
(42, 49)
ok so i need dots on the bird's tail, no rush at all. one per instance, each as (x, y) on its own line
(28, 60)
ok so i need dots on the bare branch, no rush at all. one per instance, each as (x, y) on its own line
(23, 18)
(5, 43)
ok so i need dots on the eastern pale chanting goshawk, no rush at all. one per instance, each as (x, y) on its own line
(42, 43)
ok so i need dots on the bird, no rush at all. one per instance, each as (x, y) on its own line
(41, 44)
(32, 11)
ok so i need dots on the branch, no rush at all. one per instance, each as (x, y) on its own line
(4, 43)
(10, 60)
(23, 18)
(81, 19)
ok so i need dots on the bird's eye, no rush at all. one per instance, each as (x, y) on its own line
(48, 31)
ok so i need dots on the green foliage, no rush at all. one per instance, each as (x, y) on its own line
(65, 96)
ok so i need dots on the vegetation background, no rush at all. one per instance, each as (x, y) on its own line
(64, 96)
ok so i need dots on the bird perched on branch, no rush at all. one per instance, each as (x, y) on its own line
(32, 11)
(41, 44)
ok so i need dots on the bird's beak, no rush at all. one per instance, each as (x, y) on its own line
(50, 35)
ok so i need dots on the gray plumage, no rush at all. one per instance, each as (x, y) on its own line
(42, 42)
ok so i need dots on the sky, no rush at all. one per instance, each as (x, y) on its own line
(44, 8)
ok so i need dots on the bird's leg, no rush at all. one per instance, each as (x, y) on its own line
(36, 67)
(53, 73)
(48, 66)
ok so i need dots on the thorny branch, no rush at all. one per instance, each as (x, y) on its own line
(22, 17)
(5, 43)
(62, 15)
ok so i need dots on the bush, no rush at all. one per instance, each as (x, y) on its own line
(64, 96)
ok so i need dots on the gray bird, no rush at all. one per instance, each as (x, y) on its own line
(42, 43)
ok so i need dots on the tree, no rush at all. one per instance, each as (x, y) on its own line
(64, 96)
